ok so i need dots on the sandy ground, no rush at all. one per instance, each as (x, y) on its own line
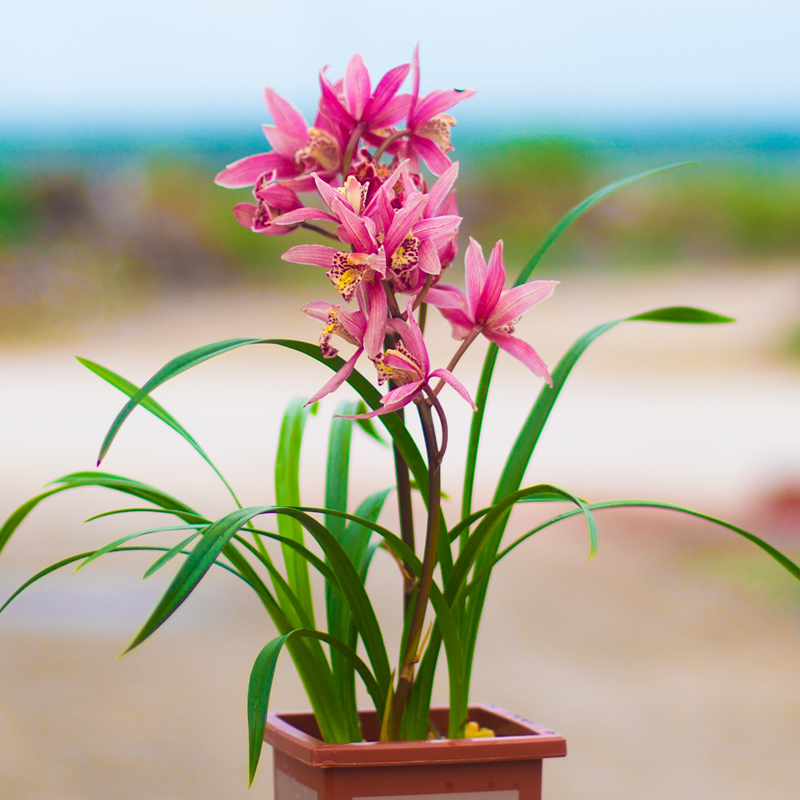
(669, 662)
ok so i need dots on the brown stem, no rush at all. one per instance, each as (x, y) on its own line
(421, 296)
(355, 137)
(394, 309)
(311, 227)
(406, 518)
(410, 654)
(389, 140)
(463, 347)
(423, 316)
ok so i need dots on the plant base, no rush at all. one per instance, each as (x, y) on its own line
(507, 766)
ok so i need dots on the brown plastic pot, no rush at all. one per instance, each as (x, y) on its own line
(507, 766)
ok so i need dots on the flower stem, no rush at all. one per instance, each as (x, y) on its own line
(389, 140)
(316, 228)
(463, 347)
(410, 654)
(351, 146)
(406, 517)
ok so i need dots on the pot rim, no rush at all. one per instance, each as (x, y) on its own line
(295, 733)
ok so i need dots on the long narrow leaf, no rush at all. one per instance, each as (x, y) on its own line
(287, 493)
(368, 393)
(163, 560)
(526, 441)
(117, 542)
(773, 552)
(131, 389)
(260, 685)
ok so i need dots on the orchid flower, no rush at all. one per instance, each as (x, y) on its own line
(339, 321)
(408, 365)
(493, 311)
(296, 149)
(273, 201)
(428, 127)
(355, 110)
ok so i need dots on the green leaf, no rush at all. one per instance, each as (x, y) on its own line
(217, 537)
(130, 389)
(445, 621)
(170, 554)
(172, 368)
(682, 315)
(529, 435)
(340, 623)
(117, 542)
(260, 685)
(393, 424)
(197, 517)
(783, 560)
(104, 480)
(287, 493)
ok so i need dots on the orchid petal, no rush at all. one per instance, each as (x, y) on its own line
(449, 205)
(356, 86)
(279, 196)
(515, 302)
(440, 189)
(448, 377)
(286, 117)
(354, 322)
(460, 324)
(245, 214)
(395, 110)
(315, 254)
(415, 341)
(376, 413)
(396, 360)
(475, 274)
(402, 395)
(429, 258)
(415, 84)
(302, 214)
(402, 223)
(318, 310)
(492, 286)
(384, 92)
(376, 318)
(339, 378)
(436, 161)
(522, 351)
(436, 227)
(283, 142)
(441, 296)
(330, 106)
(436, 102)
(246, 171)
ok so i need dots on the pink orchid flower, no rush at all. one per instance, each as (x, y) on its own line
(273, 201)
(409, 366)
(352, 104)
(428, 126)
(339, 321)
(415, 231)
(493, 311)
(296, 149)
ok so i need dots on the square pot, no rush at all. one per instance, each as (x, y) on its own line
(507, 766)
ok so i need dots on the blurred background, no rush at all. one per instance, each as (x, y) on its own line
(670, 661)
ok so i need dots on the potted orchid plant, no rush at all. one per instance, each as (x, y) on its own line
(385, 222)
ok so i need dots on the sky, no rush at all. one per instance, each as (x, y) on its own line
(96, 63)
